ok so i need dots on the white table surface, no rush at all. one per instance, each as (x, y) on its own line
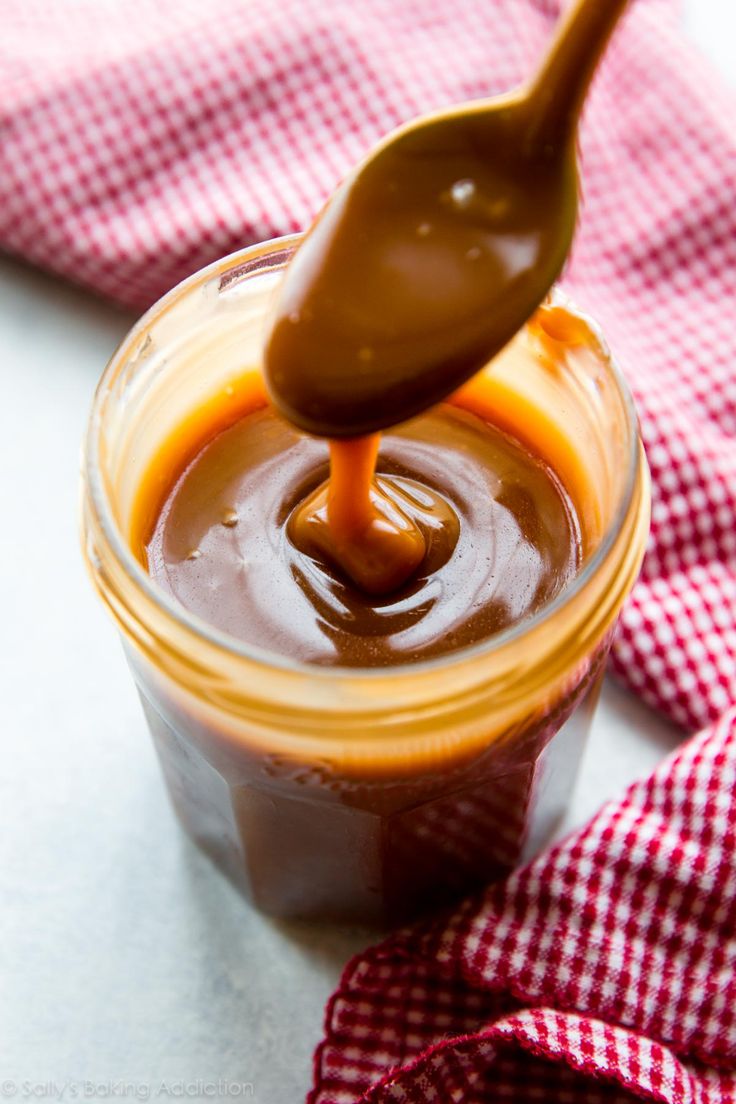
(129, 969)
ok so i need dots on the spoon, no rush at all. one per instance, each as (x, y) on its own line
(435, 250)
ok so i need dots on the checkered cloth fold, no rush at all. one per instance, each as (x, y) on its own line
(139, 141)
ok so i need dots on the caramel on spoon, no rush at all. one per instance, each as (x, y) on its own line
(436, 249)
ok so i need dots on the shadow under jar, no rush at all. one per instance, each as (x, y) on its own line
(365, 794)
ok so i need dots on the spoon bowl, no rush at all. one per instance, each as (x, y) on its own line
(424, 264)
(435, 251)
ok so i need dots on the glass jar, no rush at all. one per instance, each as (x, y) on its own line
(353, 794)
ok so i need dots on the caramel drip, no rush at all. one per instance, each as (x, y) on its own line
(355, 525)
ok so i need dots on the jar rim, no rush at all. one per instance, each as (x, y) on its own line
(247, 260)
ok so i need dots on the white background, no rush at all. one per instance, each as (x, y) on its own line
(124, 956)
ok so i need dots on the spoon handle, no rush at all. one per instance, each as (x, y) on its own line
(558, 90)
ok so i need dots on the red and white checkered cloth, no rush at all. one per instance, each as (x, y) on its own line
(605, 971)
(139, 140)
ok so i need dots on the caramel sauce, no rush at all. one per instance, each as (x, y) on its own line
(243, 538)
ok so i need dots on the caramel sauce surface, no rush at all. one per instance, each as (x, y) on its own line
(242, 536)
